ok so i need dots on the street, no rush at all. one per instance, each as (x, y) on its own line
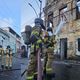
(66, 70)
(19, 65)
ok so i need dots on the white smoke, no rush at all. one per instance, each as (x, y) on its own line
(59, 27)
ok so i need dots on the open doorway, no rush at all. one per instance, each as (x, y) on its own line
(78, 47)
(63, 48)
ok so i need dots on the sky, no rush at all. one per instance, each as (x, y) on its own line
(28, 14)
(17, 13)
(10, 14)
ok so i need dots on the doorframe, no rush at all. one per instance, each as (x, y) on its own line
(66, 40)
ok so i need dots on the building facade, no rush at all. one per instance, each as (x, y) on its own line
(15, 39)
(64, 18)
(4, 38)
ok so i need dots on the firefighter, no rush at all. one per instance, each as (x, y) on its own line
(36, 43)
(49, 41)
(2, 56)
(8, 58)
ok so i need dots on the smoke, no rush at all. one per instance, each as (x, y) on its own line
(59, 27)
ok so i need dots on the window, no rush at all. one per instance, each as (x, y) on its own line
(62, 12)
(78, 9)
(78, 4)
(50, 19)
(78, 44)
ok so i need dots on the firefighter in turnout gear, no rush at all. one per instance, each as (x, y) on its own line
(2, 56)
(36, 43)
(8, 61)
(48, 50)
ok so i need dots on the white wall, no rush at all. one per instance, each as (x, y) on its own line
(5, 40)
(12, 42)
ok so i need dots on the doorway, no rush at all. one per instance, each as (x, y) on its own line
(63, 48)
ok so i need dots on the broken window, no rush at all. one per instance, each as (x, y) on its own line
(78, 44)
(62, 12)
(50, 19)
(78, 9)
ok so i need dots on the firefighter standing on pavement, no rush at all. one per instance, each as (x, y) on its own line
(48, 50)
(2, 56)
(8, 61)
(36, 44)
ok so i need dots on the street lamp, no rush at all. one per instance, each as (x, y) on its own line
(33, 9)
(40, 7)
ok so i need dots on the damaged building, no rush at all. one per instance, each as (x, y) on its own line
(64, 18)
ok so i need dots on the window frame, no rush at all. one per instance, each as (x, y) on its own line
(78, 9)
(50, 19)
(78, 44)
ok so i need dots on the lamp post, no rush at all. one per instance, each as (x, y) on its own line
(39, 23)
(33, 9)
(40, 8)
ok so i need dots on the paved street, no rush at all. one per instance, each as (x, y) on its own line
(19, 65)
(66, 70)
(24, 63)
